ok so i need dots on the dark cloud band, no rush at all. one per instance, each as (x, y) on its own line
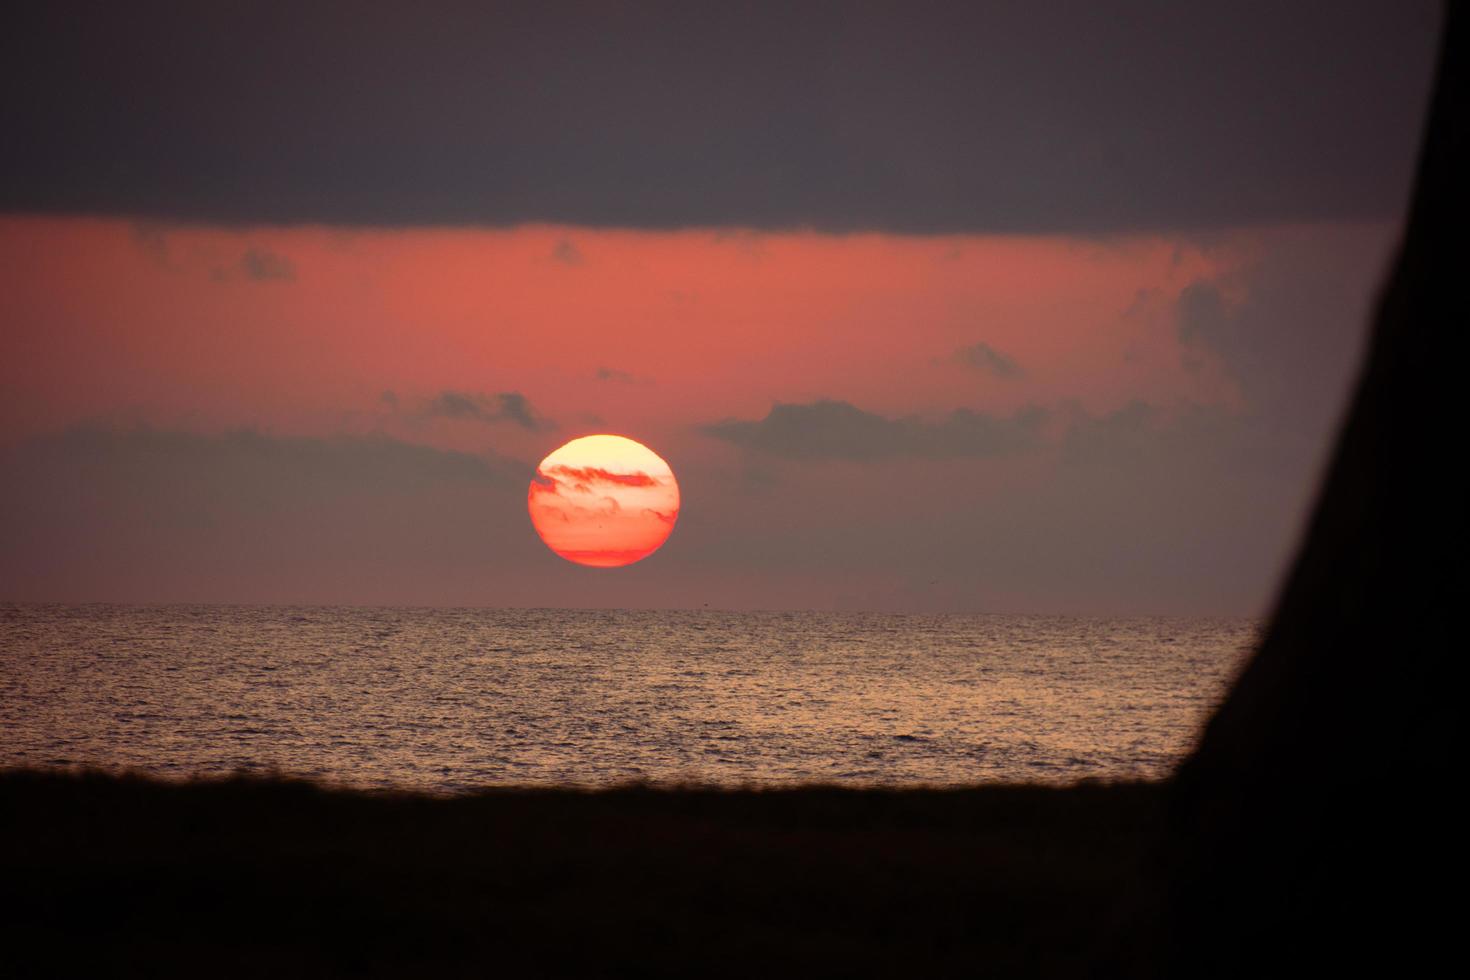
(840, 430)
(832, 115)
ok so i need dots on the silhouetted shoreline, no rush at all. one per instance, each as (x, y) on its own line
(121, 874)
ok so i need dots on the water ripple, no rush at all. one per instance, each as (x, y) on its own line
(451, 699)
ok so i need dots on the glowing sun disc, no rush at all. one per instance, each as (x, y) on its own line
(604, 501)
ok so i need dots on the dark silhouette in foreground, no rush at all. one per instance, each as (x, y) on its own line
(1289, 841)
(254, 877)
(1308, 809)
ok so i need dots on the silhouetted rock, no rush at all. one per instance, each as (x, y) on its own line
(1303, 817)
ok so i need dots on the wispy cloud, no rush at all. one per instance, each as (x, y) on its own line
(505, 406)
(592, 475)
(616, 376)
(567, 253)
(982, 357)
(262, 264)
(839, 430)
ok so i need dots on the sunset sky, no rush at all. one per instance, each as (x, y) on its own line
(929, 310)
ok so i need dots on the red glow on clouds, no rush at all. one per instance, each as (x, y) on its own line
(301, 330)
(496, 343)
(594, 474)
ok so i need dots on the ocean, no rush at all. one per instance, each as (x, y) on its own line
(450, 700)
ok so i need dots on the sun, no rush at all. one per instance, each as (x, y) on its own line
(604, 501)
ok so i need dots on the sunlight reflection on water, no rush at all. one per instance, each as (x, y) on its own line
(449, 700)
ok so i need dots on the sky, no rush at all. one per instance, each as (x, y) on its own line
(930, 308)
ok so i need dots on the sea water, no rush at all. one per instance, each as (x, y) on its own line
(451, 700)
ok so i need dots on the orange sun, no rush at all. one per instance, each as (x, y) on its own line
(603, 501)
